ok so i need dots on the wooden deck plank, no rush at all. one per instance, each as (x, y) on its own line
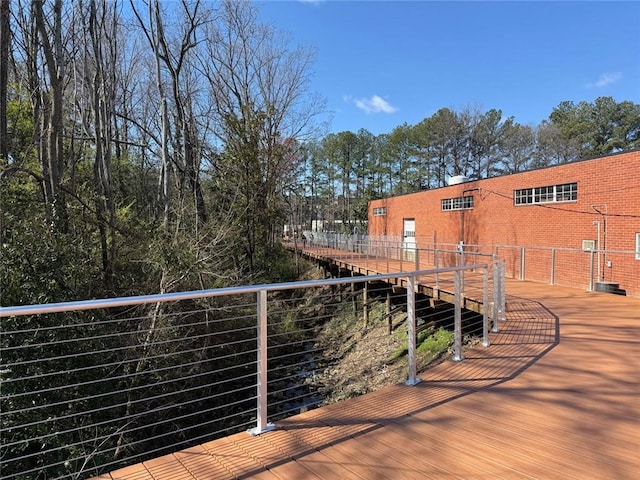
(341, 449)
(133, 472)
(555, 396)
(273, 458)
(166, 467)
(236, 461)
(201, 465)
(507, 431)
(310, 456)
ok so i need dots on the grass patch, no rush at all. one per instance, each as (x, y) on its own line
(430, 344)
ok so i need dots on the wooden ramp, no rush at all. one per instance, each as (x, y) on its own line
(556, 396)
(362, 264)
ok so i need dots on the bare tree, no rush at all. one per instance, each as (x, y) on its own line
(98, 21)
(259, 89)
(172, 56)
(5, 40)
(153, 29)
(50, 43)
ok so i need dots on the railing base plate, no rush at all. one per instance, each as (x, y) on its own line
(258, 431)
(415, 381)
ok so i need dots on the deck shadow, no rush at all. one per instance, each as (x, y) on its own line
(528, 334)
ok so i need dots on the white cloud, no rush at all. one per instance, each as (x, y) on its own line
(375, 104)
(606, 79)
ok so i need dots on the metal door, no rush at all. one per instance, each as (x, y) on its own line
(409, 238)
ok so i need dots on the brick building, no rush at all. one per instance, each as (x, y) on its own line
(576, 224)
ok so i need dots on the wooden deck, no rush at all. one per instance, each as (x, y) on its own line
(556, 396)
(361, 264)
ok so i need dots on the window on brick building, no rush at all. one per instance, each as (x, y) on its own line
(458, 203)
(379, 211)
(637, 246)
(565, 192)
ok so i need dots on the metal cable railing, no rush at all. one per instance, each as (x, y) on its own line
(88, 387)
(574, 267)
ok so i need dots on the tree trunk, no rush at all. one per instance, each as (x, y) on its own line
(52, 154)
(102, 113)
(5, 39)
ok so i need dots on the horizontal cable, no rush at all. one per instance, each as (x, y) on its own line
(139, 455)
(127, 375)
(137, 318)
(122, 362)
(134, 402)
(136, 333)
(137, 416)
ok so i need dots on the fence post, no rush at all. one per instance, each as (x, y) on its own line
(411, 330)
(553, 266)
(522, 263)
(485, 306)
(262, 425)
(457, 317)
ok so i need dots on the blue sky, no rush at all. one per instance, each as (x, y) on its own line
(380, 64)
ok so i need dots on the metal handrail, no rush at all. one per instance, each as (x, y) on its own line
(45, 308)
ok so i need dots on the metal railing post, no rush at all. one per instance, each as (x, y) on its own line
(411, 330)
(462, 263)
(435, 261)
(496, 292)
(457, 317)
(262, 425)
(387, 257)
(502, 315)
(591, 258)
(553, 266)
(522, 263)
(485, 305)
(367, 249)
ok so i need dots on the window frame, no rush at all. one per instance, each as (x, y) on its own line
(560, 193)
(379, 211)
(456, 203)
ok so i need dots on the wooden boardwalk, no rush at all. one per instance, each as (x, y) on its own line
(556, 396)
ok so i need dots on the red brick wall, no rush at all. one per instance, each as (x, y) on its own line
(613, 181)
